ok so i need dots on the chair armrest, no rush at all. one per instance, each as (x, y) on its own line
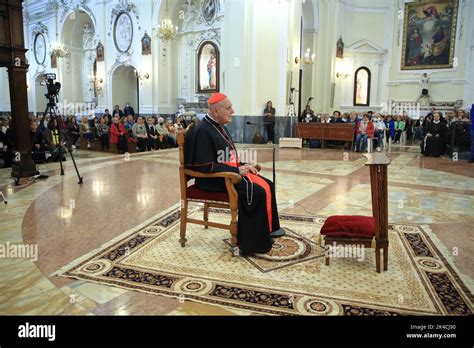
(234, 177)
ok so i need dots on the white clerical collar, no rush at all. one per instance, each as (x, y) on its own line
(213, 119)
(436, 121)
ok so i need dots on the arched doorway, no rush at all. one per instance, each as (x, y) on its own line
(77, 35)
(124, 87)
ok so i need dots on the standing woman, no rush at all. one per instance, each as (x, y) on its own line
(269, 119)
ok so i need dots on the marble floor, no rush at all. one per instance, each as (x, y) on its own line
(63, 221)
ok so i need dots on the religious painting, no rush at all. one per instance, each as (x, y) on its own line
(340, 48)
(362, 87)
(209, 10)
(123, 32)
(429, 35)
(208, 68)
(100, 52)
(40, 48)
(54, 61)
(146, 44)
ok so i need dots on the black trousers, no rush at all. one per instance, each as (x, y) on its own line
(142, 144)
(104, 142)
(152, 144)
(270, 132)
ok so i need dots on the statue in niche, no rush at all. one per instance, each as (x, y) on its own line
(87, 36)
(340, 48)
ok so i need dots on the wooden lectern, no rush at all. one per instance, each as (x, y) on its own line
(12, 56)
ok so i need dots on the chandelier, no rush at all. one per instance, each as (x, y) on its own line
(167, 31)
(59, 51)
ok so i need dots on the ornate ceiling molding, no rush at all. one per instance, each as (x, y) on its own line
(123, 6)
(208, 35)
(65, 6)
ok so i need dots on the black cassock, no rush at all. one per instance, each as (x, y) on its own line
(205, 148)
(434, 145)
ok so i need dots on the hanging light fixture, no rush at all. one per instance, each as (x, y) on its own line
(166, 30)
(59, 51)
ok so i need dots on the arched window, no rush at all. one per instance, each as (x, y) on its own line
(362, 87)
(208, 68)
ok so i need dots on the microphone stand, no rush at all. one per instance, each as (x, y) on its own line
(280, 232)
(273, 145)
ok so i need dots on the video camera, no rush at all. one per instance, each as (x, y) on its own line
(53, 88)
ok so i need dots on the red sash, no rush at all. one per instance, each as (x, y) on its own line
(268, 193)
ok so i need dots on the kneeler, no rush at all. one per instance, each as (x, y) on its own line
(365, 230)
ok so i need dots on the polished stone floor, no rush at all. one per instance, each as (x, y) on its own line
(66, 221)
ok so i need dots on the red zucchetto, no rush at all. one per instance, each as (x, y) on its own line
(216, 98)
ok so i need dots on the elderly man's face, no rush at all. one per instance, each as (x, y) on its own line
(223, 112)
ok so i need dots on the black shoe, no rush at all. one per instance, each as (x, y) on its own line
(278, 233)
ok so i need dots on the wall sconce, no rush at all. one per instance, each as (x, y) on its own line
(308, 58)
(343, 70)
(342, 75)
(144, 76)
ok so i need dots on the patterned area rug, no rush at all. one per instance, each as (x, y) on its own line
(290, 280)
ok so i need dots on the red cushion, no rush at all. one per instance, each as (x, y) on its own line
(349, 226)
(194, 193)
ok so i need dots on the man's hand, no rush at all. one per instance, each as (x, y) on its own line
(243, 170)
(253, 170)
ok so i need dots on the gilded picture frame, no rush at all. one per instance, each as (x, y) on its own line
(429, 35)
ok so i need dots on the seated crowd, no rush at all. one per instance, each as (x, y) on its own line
(124, 132)
(439, 135)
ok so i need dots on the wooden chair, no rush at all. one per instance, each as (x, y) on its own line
(228, 200)
(377, 162)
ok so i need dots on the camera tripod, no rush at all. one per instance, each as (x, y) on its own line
(51, 108)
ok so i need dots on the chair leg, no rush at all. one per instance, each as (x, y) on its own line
(182, 228)
(377, 259)
(233, 227)
(385, 258)
(206, 214)
(327, 260)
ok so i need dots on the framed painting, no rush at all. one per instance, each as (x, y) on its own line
(146, 44)
(100, 52)
(362, 87)
(208, 68)
(429, 35)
